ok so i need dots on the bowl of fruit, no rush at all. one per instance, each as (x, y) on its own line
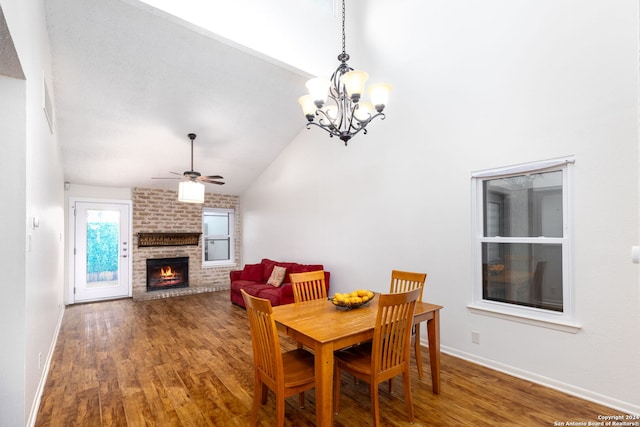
(351, 300)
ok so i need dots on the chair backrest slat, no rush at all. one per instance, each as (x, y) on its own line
(392, 334)
(308, 286)
(403, 281)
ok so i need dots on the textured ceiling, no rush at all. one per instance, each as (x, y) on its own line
(9, 63)
(129, 85)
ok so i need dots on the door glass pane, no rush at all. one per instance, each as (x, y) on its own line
(524, 206)
(523, 274)
(103, 237)
(217, 249)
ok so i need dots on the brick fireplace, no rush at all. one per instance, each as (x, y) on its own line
(167, 273)
(158, 211)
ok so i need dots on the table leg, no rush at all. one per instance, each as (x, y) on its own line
(417, 350)
(433, 332)
(324, 385)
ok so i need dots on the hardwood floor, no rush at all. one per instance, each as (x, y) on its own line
(187, 361)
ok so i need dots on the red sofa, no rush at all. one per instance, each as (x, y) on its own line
(253, 279)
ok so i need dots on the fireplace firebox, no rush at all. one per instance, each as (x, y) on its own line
(167, 273)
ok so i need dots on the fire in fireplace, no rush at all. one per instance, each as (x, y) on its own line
(167, 273)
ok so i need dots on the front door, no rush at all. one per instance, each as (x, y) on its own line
(102, 252)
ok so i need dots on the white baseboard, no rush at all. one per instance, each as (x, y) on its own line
(45, 373)
(613, 403)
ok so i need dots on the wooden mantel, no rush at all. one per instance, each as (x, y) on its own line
(168, 239)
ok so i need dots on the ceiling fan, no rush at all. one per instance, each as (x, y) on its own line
(194, 175)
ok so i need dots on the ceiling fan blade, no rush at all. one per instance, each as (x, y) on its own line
(192, 174)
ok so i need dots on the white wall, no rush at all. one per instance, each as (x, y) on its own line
(12, 244)
(478, 85)
(37, 191)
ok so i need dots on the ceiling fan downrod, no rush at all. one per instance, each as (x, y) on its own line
(191, 173)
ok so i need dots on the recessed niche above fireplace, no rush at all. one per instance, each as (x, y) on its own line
(167, 273)
(168, 239)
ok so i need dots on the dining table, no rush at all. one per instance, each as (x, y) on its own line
(325, 328)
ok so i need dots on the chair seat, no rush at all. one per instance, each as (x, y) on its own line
(356, 358)
(299, 367)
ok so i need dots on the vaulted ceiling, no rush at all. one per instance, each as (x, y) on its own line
(130, 83)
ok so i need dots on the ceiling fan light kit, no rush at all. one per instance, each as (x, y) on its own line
(345, 115)
(191, 190)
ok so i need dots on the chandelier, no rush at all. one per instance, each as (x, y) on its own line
(345, 114)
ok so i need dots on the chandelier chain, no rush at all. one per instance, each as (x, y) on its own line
(344, 38)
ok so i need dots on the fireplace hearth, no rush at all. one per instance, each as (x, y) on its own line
(167, 273)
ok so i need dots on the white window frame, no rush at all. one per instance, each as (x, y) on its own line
(536, 316)
(230, 236)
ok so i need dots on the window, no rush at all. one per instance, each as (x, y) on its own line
(522, 241)
(218, 242)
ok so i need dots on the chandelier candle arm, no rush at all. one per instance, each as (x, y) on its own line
(336, 102)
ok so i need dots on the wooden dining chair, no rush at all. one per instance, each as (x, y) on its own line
(402, 281)
(308, 286)
(387, 356)
(269, 361)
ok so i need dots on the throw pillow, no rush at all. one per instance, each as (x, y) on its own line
(277, 276)
(252, 272)
(267, 266)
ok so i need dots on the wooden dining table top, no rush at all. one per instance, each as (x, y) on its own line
(323, 322)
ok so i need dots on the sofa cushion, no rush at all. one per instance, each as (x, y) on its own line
(277, 276)
(267, 269)
(271, 293)
(302, 268)
(252, 272)
(247, 285)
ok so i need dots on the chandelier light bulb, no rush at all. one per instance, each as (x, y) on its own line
(319, 90)
(364, 111)
(329, 115)
(308, 106)
(379, 94)
(354, 82)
